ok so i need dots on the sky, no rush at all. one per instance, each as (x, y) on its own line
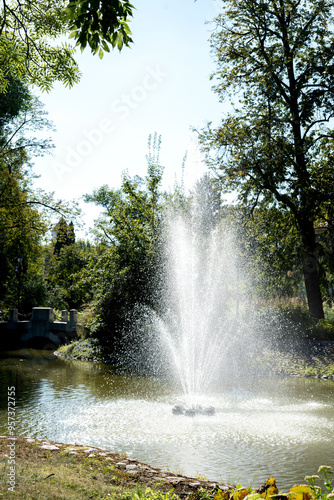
(160, 85)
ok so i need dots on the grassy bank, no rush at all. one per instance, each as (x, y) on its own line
(84, 350)
(47, 470)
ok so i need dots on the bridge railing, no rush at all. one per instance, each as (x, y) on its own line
(42, 319)
(41, 324)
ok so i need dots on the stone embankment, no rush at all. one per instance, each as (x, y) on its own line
(121, 468)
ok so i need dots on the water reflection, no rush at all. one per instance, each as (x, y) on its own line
(280, 427)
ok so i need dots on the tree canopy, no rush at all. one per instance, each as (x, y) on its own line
(275, 59)
(31, 33)
(98, 23)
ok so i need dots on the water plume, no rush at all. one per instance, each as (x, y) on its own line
(201, 304)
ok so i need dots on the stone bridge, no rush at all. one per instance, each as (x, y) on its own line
(41, 326)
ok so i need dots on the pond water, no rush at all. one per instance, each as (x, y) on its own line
(281, 427)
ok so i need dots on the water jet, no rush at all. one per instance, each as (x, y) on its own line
(199, 328)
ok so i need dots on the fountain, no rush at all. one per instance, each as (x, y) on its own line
(200, 323)
(193, 410)
(196, 339)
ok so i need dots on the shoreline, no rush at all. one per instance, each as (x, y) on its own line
(32, 468)
(119, 470)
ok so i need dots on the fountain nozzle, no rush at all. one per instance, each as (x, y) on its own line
(193, 410)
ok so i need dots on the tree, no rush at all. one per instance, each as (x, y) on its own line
(65, 235)
(272, 252)
(30, 29)
(21, 230)
(25, 213)
(21, 116)
(276, 149)
(64, 271)
(13, 102)
(27, 49)
(70, 234)
(125, 272)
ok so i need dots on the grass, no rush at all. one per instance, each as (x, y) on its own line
(66, 472)
(78, 472)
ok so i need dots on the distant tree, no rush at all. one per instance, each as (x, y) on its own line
(276, 58)
(64, 275)
(70, 234)
(61, 236)
(65, 235)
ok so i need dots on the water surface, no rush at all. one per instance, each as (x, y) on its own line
(262, 427)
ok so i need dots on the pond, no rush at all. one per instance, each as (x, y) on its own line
(281, 427)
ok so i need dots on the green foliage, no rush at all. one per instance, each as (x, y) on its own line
(269, 489)
(27, 49)
(13, 101)
(84, 320)
(34, 291)
(323, 330)
(64, 270)
(30, 31)
(325, 474)
(21, 229)
(100, 23)
(149, 494)
(25, 213)
(87, 349)
(272, 252)
(65, 235)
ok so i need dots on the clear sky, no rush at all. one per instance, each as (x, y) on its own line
(160, 85)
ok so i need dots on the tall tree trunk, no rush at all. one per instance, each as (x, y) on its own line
(310, 268)
(312, 286)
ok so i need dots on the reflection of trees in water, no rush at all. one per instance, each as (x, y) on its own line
(38, 375)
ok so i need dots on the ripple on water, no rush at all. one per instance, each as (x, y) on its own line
(144, 422)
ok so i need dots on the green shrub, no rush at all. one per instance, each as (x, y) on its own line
(323, 330)
(84, 321)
